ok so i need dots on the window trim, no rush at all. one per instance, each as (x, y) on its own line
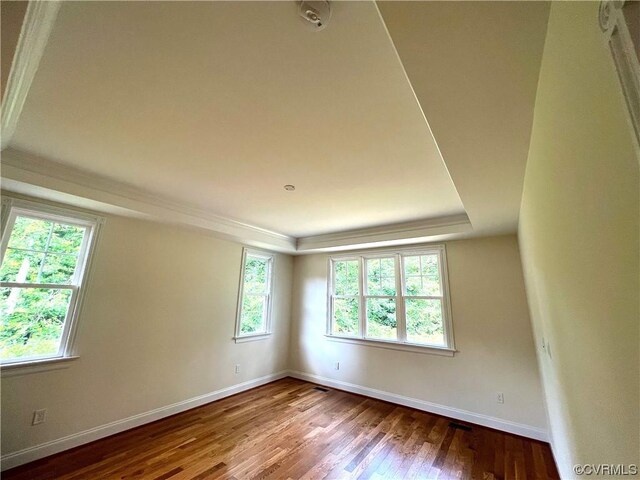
(271, 257)
(401, 344)
(13, 207)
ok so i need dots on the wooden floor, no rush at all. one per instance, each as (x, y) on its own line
(290, 430)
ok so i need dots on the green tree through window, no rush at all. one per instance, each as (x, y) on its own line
(414, 315)
(256, 294)
(40, 274)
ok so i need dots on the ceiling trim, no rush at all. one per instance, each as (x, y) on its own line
(386, 235)
(35, 176)
(38, 23)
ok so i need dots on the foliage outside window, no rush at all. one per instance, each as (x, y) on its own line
(44, 255)
(254, 305)
(398, 297)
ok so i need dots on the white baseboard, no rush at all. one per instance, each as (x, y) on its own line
(30, 454)
(457, 413)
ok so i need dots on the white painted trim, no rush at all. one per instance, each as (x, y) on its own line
(36, 27)
(390, 345)
(30, 454)
(35, 366)
(252, 338)
(38, 177)
(385, 235)
(451, 412)
(29, 174)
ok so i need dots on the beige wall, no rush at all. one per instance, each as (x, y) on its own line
(11, 17)
(156, 329)
(492, 332)
(579, 240)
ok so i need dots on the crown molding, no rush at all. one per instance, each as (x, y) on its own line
(386, 235)
(32, 175)
(36, 27)
(35, 176)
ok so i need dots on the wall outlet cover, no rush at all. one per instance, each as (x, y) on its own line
(39, 416)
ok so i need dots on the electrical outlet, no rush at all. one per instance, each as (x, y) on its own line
(337, 366)
(39, 416)
(238, 368)
(500, 397)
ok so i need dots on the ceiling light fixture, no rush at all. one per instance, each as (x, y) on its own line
(317, 13)
(289, 188)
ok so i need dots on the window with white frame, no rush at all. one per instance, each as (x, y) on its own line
(44, 255)
(391, 296)
(255, 297)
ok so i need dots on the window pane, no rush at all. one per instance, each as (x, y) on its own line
(345, 316)
(21, 266)
(412, 265)
(41, 251)
(253, 308)
(255, 275)
(346, 274)
(381, 318)
(32, 320)
(66, 238)
(381, 276)
(58, 268)
(422, 275)
(424, 321)
(30, 233)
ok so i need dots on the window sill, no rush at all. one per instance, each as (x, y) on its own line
(252, 338)
(407, 347)
(35, 366)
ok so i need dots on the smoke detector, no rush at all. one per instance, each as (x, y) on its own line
(316, 13)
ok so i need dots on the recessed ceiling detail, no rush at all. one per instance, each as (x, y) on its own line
(194, 112)
(211, 104)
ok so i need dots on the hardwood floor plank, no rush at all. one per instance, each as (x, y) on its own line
(289, 430)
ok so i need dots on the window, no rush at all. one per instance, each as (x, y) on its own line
(44, 258)
(254, 300)
(395, 297)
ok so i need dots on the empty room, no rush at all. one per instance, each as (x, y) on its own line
(320, 240)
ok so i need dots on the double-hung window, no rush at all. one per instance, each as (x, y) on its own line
(395, 297)
(255, 296)
(45, 252)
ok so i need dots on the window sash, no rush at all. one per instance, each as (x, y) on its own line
(333, 330)
(63, 346)
(400, 297)
(366, 320)
(265, 307)
(441, 272)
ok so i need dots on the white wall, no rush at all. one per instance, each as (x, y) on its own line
(580, 243)
(492, 333)
(156, 329)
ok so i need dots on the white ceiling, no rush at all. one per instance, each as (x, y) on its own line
(220, 104)
(474, 66)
